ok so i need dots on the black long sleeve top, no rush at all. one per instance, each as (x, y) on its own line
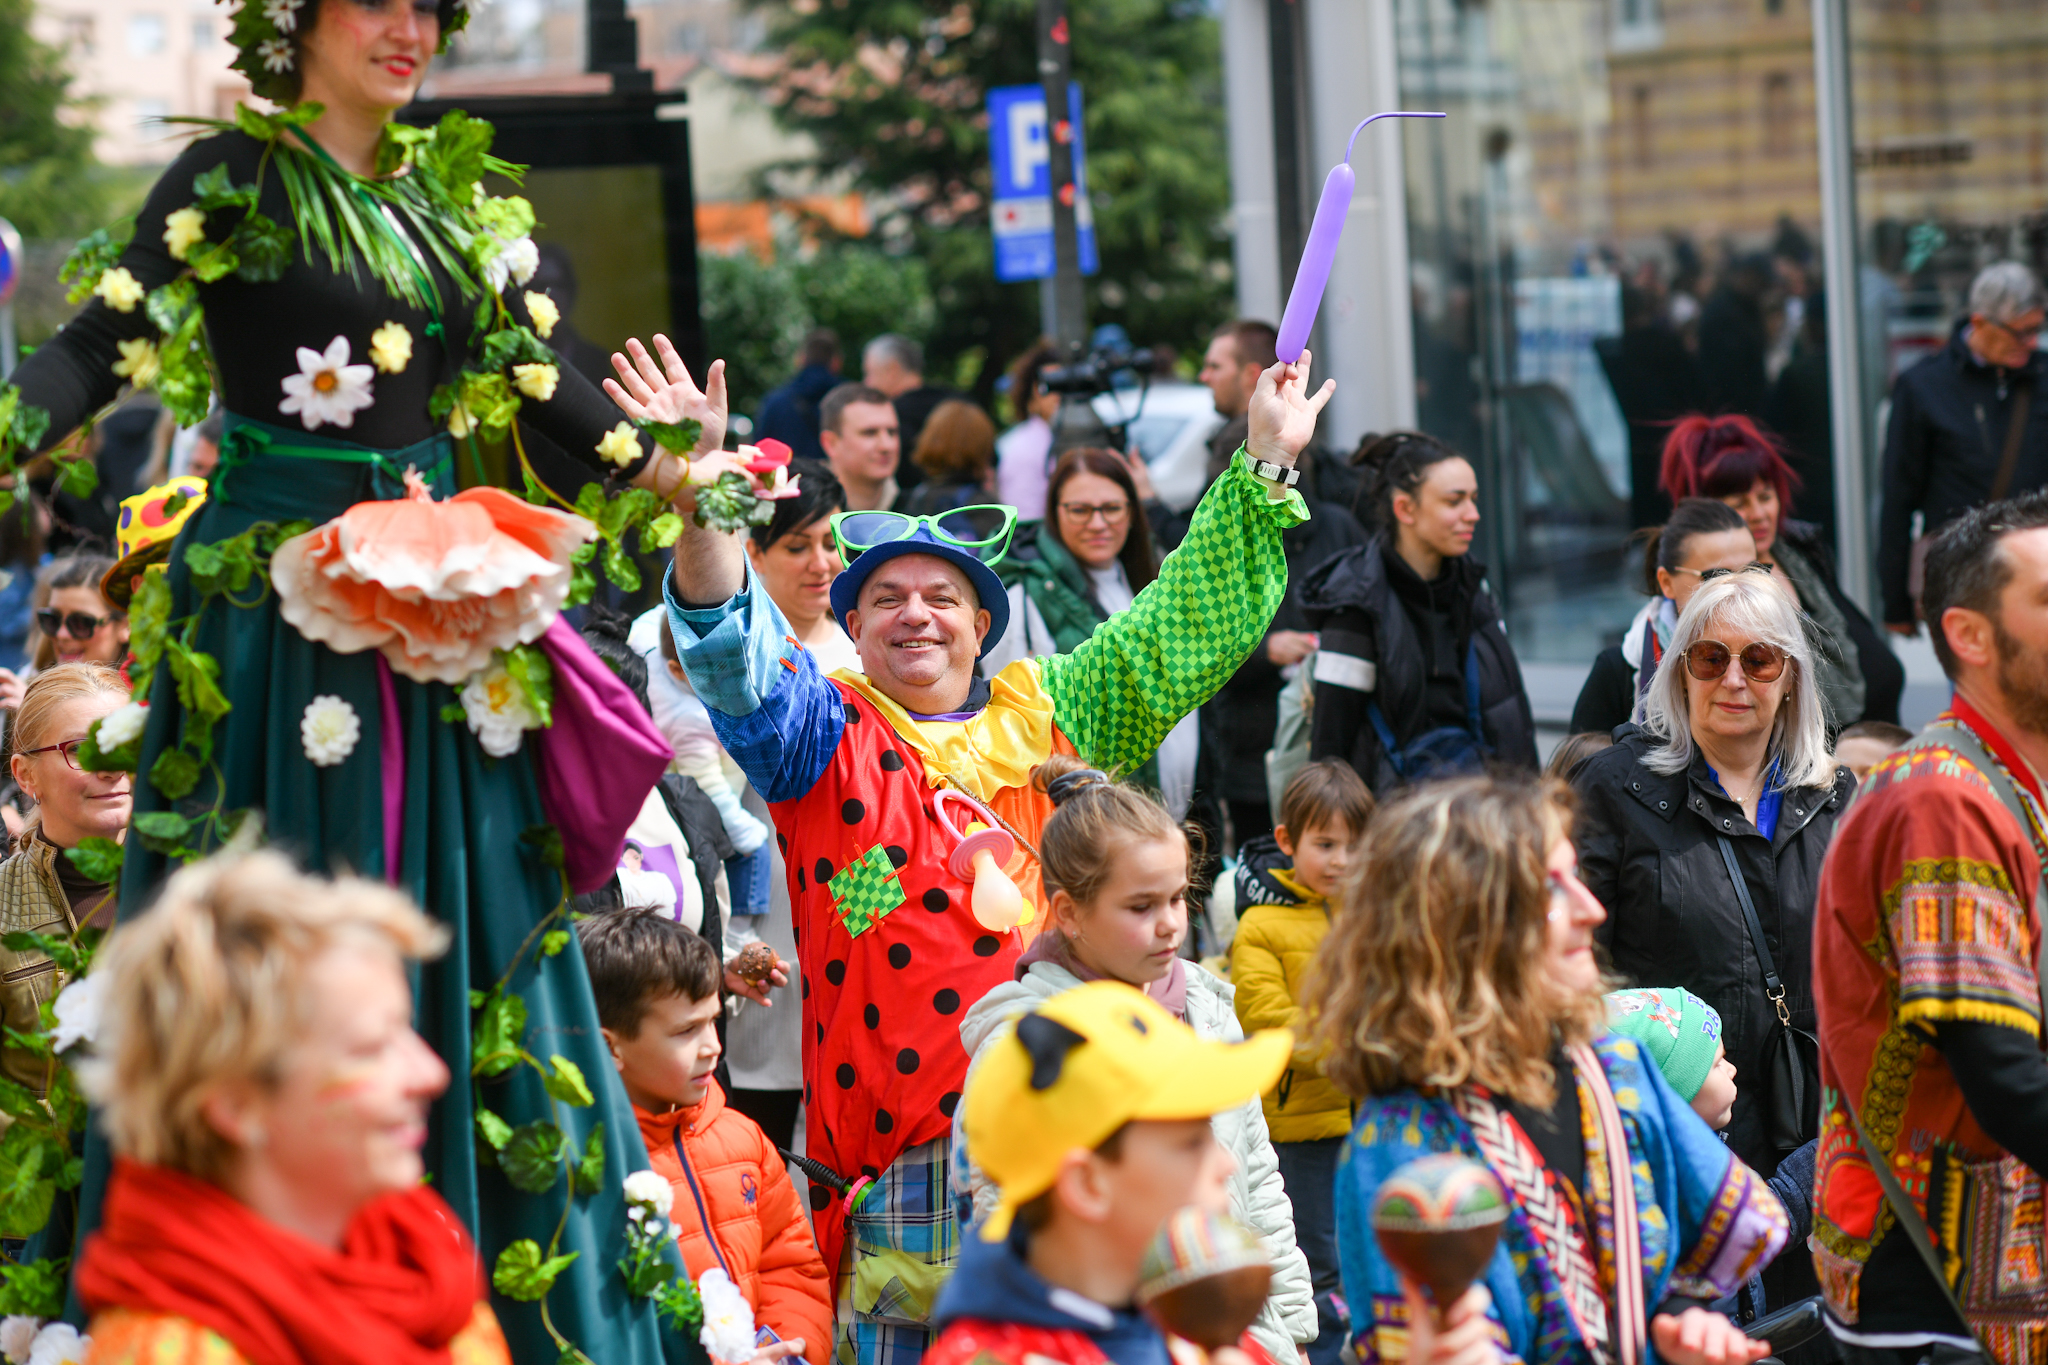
(256, 330)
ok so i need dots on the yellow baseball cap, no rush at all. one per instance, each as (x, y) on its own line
(1084, 1064)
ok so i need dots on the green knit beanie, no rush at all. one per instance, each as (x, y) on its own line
(1679, 1031)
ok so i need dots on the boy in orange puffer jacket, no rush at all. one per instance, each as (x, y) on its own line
(657, 985)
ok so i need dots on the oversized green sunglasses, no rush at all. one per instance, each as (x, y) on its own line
(982, 530)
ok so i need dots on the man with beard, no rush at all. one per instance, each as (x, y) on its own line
(1926, 977)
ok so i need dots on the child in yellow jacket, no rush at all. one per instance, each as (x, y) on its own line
(1285, 885)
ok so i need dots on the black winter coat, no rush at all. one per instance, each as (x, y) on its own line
(1648, 849)
(1942, 446)
(1884, 677)
(1350, 601)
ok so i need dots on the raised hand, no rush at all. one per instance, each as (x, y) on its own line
(1282, 416)
(667, 393)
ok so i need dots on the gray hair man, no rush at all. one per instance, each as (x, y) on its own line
(1967, 427)
(894, 364)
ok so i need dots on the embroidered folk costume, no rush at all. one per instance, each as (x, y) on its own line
(1705, 1222)
(1927, 936)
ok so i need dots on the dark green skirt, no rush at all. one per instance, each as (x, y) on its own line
(461, 857)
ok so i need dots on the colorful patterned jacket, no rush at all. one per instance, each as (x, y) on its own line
(889, 949)
(1706, 1221)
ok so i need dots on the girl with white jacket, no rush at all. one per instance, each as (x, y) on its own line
(1116, 873)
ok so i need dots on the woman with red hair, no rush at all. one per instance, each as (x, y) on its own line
(1731, 459)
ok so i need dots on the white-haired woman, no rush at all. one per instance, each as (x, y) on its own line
(1733, 752)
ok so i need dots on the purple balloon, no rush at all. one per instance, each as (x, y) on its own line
(1319, 252)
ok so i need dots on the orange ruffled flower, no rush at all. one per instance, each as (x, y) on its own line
(435, 585)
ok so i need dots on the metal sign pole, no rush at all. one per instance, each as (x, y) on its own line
(1055, 69)
(1847, 410)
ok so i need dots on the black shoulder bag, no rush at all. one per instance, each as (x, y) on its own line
(1791, 1079)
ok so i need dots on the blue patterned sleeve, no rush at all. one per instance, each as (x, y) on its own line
(774, 712)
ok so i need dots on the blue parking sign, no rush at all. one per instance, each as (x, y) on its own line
(1020, 153)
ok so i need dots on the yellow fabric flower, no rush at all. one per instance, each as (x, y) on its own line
(621, 445)
(139, 363)
(121, 290)
(536, 381)
(184, 230)
(460, 423)
(391, 347)
(542, 310)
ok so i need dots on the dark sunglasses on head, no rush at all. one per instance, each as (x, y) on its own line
(78, 625)
(1707, 660)
(1709, 575)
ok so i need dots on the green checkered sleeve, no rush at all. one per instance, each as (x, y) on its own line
(1130, 682)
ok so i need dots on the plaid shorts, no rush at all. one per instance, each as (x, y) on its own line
(900, 1247)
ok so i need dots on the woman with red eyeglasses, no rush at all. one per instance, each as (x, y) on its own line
(74, 623)
(42, 890)
(1728, 775)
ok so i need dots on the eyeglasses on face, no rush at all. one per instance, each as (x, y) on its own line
(79, 625)
(1707, 660)
(1112, 513)
(2029, 334)
(69, 748)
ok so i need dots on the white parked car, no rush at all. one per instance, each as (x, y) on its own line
(1171, 427)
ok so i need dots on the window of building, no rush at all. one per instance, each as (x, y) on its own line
(1777, 114)
(202, 34)
(145, 35)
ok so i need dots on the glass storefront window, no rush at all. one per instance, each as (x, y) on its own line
(1616, 225)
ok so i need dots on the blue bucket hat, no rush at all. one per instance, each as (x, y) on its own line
(995, 600)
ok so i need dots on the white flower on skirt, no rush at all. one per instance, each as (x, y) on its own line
(283, 13)
(329, 730)
(77, 1008)
(497, 710)
(61, 1344)
(327, 388)
(649, 1190)
(728, 1320)
(276, 54)
(18, 1337)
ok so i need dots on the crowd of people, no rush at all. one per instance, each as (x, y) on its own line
(973, 896)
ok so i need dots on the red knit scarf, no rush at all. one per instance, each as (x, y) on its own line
(405, 1281)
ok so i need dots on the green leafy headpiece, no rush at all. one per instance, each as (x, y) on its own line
(267, 34)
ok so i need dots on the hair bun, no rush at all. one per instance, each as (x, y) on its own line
(1062, 788)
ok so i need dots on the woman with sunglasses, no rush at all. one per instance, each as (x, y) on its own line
(1461, 1004)
(41, 890)
(1089, 558)
(1732, 750)
(74, 622)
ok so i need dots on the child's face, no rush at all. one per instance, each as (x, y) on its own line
(1860, 755)
(1163, 1167)
(1321, 856)
(1716, 1101)
(668, 1063)
(1133, 929)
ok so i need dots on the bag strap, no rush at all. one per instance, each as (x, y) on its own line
(1774, 989)
(1474, 718)
(2009, 460)
(1630, 1306)
(1908, 1219)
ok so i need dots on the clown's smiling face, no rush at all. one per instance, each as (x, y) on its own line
(919, 629)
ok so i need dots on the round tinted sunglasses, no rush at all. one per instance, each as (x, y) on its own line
(1707, 660)
(78, 625)
(982, 530)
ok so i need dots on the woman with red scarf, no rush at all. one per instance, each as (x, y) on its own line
(266, 1099)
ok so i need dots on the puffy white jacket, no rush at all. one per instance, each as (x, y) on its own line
(1258, 1199)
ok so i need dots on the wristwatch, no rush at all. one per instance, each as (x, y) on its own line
(1274, 473)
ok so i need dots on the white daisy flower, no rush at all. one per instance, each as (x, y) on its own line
(329, 730)
(327, 388)
(536, 381)
(514, 264)
(139, 363)
(728, 1319)
(18, 1337)
(646, 1189)
(544, 313)
(497, 710)
(276, 54)
(283, 13)
(121, 290)
(60, 1344)
(184, 229)
(621, 445)
(391, 347)
(120, 725)
(77, 1008)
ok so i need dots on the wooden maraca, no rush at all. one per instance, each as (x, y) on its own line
(1438, 1219)
(1204, 1278)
